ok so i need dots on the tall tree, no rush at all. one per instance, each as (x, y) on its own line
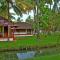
(30, 21)
(3, 8)
(55, 7)
(49, 2)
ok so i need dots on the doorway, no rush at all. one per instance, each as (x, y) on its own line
(6, 31)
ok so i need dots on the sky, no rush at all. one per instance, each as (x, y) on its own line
(24, 16)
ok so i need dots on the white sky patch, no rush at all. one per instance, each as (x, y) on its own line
(11, 10)
(31, 14)
(51, 5)
(24, 16)
(58, 4)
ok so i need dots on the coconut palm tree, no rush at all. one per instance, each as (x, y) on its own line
(19, 6)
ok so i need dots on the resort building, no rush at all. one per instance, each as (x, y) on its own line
(10, 30)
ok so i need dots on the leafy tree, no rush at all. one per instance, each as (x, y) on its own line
(30, 21)
(49, 2)
(3, 8)
(55, 6)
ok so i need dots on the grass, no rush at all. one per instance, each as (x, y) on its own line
(8, 56)
(47, 57)
(31, 41)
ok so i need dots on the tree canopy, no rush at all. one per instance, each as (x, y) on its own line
(4, 8)
(46, 16)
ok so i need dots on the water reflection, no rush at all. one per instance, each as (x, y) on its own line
(26, 55)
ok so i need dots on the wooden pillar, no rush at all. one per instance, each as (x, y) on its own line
(26, 31)
(8, 32)
(31, 32)
(3, 31)
(13, 32)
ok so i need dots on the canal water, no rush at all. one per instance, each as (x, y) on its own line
(26, 55)
(33, 54)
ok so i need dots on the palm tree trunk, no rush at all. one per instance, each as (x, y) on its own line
(50, 6)
(37, 19)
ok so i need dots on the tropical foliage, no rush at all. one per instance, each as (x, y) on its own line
(4, 8)
(19, 6)
(47, 18)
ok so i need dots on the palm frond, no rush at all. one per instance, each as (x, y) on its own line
(18, 11)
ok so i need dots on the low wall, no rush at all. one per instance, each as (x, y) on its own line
(17, 35)
(6, 39)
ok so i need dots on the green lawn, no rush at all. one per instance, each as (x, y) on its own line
(8, 56)
(31, 41)
(47, 57)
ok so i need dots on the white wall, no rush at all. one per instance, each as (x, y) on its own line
(20, 33)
